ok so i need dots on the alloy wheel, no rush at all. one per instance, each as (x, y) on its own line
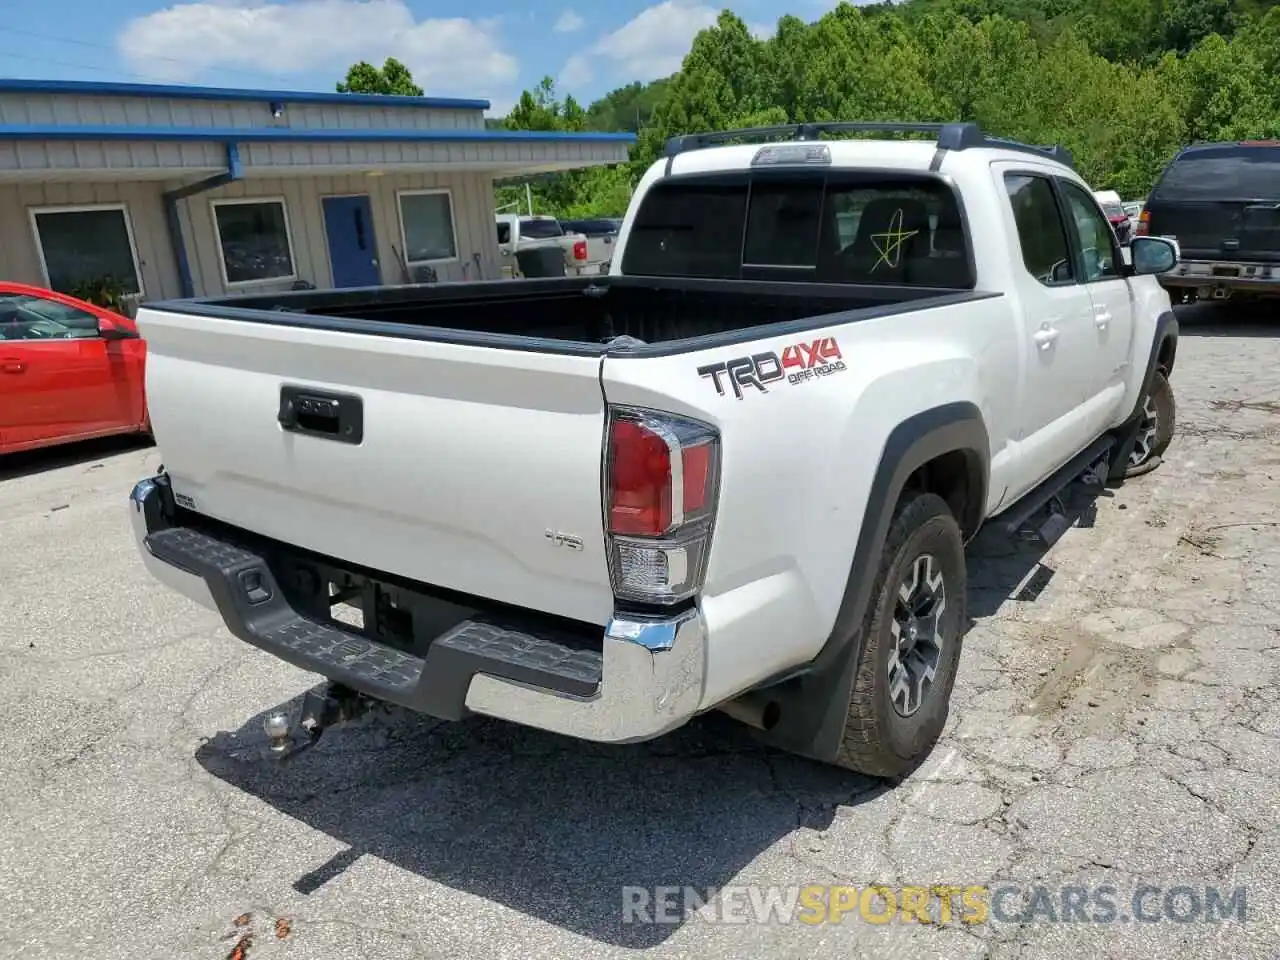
(916, 631)
(1146, 441)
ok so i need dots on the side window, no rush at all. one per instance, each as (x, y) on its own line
(1097, 242)
(24, 317)
(1040, 229)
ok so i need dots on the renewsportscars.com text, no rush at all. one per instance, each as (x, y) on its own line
(940, 904)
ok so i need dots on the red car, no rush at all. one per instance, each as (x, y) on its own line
(69, 370)
(1119, 221)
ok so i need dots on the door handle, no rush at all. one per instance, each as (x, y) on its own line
(1045, 336)
(336, 416)
(13, 366)
(1101, 319)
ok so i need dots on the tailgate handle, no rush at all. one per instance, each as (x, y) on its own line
(319, 413)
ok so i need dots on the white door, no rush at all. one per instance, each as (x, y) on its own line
(1101, 264)
(1059, 336)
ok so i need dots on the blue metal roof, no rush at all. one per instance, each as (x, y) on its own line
(37, 131)
(184, 92)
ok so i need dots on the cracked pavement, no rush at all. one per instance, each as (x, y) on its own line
(1116, 721)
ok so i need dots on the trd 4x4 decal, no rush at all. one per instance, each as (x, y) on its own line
(798, 363)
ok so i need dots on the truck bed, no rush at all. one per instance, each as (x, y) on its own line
(585, 312)
(447, 434)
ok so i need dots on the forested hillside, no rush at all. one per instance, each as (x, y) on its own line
(1122, 83)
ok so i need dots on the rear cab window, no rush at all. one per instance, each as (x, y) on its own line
(540, 229)
(835, 227)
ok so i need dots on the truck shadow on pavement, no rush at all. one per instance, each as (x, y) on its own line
(541, 824)
(555, 828)
(1228, 319)
(1005, 568)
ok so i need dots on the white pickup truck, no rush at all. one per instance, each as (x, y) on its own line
(516, 233)
(737, 473)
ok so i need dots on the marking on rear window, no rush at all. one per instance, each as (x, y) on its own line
(890, 243)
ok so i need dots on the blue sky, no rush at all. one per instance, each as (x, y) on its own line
(480, 48)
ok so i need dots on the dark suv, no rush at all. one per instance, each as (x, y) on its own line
(1221, 202)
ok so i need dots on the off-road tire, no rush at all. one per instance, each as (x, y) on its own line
(1155, 432)
(878, 740)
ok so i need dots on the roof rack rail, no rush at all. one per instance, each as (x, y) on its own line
(950, 136)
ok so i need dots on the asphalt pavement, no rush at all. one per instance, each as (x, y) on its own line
(1115, 726)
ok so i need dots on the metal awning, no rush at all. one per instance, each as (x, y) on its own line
(62, 152)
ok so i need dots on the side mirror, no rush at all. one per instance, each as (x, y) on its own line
(1061, 271)
(109, 331)
(1152, 255)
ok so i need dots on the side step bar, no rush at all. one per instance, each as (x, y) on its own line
(1015, 517)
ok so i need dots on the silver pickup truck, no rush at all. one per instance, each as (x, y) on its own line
(517, 233)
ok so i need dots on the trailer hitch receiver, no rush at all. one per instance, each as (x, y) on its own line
(321, 709)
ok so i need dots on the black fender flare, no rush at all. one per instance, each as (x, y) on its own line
(1161, 355)
(815, 703)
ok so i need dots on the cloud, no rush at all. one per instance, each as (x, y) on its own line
(575, 72)
(653, 44)
(569, 22)
(500, 106)
(448, 55)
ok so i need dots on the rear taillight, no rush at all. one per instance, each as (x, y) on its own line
(662, 477)
(580, 250)
(1144, 223)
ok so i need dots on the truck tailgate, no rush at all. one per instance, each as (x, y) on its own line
(476, 469)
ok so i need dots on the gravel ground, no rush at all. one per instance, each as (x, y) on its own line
(1116, 723)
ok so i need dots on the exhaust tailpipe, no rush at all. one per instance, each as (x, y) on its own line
(757, 710)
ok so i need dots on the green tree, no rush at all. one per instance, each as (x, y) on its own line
(627, 108)
(1122, 83)
(541, 109)
(596, 191)
(1187, 22)
(393, 78)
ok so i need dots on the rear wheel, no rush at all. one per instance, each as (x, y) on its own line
(1155, 431)
(910, 642)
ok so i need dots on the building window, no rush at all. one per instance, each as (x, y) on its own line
(253, 240)
(426, 226)
(82, 248)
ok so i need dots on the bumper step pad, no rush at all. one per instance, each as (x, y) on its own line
(256, 611)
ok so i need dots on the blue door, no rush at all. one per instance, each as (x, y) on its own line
(353, 254)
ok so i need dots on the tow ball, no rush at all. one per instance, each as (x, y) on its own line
(321, 709)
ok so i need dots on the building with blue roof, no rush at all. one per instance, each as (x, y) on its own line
(198, 191)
